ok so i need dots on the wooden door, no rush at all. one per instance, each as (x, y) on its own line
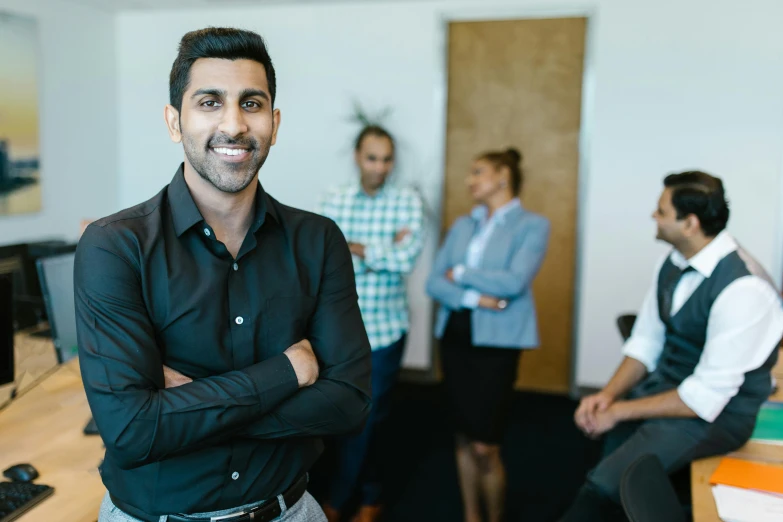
(519, 83)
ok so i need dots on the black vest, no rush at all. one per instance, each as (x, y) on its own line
(686, 332)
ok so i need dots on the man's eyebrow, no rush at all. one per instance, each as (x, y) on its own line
(209, 90)
(246, 93)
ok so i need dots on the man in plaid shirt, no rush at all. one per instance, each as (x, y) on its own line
(384, 227)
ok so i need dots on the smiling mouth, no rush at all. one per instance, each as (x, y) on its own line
(232, 154)
(226, 151)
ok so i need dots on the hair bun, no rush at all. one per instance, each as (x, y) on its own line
(516, 156)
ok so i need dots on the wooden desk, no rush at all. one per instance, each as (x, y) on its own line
(34, 359)
(43, 427)
(704, 509)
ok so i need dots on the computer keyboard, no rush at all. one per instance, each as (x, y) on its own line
(17, 497)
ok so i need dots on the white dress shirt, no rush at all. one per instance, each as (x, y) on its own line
(744, 326)
(477, 245)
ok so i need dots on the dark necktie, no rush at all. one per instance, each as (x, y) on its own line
(667, 290)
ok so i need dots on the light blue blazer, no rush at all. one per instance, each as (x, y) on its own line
(510, 262)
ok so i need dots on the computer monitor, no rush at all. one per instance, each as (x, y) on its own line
(55, 274)
(13, 261)
(19, 260)
(6, 329)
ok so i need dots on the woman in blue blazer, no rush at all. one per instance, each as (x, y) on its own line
(482, 278)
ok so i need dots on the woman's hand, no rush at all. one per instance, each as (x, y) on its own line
(492, 303)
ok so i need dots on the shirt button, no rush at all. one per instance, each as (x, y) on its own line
(207, 232)
(239, 320)
(235, 475)
(236, 267)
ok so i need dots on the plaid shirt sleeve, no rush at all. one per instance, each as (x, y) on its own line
(399, 257)
(325, 204)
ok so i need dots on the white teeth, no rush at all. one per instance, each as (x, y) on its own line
(229, 152)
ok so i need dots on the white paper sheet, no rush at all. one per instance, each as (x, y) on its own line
(746, 505)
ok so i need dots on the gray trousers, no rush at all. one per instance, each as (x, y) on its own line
(676, 442)
(305, 510)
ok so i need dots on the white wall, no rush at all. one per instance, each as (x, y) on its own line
(672, 85)
(77, 119)
(678, 85)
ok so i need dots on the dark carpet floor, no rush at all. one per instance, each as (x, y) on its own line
(546, 458)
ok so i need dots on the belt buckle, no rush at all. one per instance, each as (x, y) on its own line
(232, 516)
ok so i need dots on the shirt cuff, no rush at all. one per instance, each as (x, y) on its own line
(645, 353)
(275, 380)
(703, 400)
(470, 299)
(458, 272)
(359, 266)
(372, 253)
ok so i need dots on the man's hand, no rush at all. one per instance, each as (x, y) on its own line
(402, 234)
(173, 378)
(586, 415)
(450, 274)
(603, 421)
(356, 249)
(304, 362)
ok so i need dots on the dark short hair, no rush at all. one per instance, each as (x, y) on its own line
(217, 42)
(510, 158)
(372, 130)
(698, 193)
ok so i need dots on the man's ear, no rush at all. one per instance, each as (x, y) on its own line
(692, 224)
(276, 122)
(171, 116)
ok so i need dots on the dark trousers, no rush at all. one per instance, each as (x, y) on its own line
(359, 455)
(676, 442)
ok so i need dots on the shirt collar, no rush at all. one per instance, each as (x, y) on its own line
(264, 206)
(479, 213)
(186, 214)
(705, 261)
(358, 190)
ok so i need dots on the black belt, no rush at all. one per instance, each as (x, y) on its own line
(267, 511)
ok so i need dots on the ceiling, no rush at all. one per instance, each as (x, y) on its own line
(129, 5)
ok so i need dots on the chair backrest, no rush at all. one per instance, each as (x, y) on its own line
(56, 276)
(647, 494)
(625, 325)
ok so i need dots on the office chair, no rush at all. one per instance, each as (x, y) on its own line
(647, 494)
(625, 325)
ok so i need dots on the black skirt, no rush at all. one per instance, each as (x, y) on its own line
(479, 381)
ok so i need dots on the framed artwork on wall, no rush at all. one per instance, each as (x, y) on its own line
(20, 189)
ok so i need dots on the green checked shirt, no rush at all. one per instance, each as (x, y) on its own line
(380, 283)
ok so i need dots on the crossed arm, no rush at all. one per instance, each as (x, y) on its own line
(399, 255)
(147, 413)
(459, 286)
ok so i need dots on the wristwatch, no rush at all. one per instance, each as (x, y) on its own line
(502, 304)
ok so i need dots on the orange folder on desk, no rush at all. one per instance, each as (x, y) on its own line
(749, 475)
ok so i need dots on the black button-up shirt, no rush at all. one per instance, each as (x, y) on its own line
(155, 287)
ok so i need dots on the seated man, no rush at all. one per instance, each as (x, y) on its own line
(697, 366)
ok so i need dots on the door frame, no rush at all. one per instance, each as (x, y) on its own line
(778, 262)
(500, 13)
